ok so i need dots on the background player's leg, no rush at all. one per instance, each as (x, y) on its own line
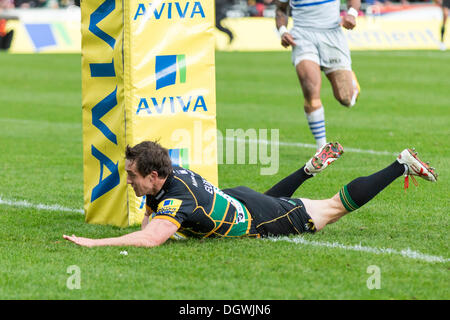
(310, 77)
(345, 86)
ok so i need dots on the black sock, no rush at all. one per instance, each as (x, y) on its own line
(363, 189)
(287, 186)
(442, 32)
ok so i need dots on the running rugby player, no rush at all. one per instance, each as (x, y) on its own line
(319, 44)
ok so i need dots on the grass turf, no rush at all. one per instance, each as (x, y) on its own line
(404, 103)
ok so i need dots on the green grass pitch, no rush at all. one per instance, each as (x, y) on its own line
(404, 103)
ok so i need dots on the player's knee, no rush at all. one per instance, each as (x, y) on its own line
(345, 98)
(335, 210)
(346, 101)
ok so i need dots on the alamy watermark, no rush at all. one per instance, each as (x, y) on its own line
(374, 281)
(74, 280)
(234, 146)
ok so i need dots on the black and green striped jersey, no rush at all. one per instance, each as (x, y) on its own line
(200, 209)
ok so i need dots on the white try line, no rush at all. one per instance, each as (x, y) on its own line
(406, 253)
(38, 206)
(309, 146)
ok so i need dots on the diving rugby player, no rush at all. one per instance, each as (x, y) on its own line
(181, 201)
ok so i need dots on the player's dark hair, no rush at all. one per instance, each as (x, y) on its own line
(150, 156)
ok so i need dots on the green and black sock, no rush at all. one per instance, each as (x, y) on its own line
(361, 190)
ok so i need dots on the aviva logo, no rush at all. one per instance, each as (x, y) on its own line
(103, 72)
(170, 10)
(180, 157)
(166, 69)
(170, 70)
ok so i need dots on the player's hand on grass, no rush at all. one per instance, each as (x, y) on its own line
(84, 242)
(348, 22)
(287, 40)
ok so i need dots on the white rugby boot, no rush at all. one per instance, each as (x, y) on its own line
(326, 155)
(416, 167)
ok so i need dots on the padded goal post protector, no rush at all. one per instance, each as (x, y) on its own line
(148, 73)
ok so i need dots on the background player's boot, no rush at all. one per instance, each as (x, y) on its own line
(325, 156)
(416, 167)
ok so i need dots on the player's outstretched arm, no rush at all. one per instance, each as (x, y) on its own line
(155, 233)
(146, 219)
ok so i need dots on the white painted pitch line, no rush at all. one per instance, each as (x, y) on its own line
(42, 122)
(406, 253)
(311, 146)
(38, 206)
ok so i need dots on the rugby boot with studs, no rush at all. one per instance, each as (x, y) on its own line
(326, 155)
(416, 167)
